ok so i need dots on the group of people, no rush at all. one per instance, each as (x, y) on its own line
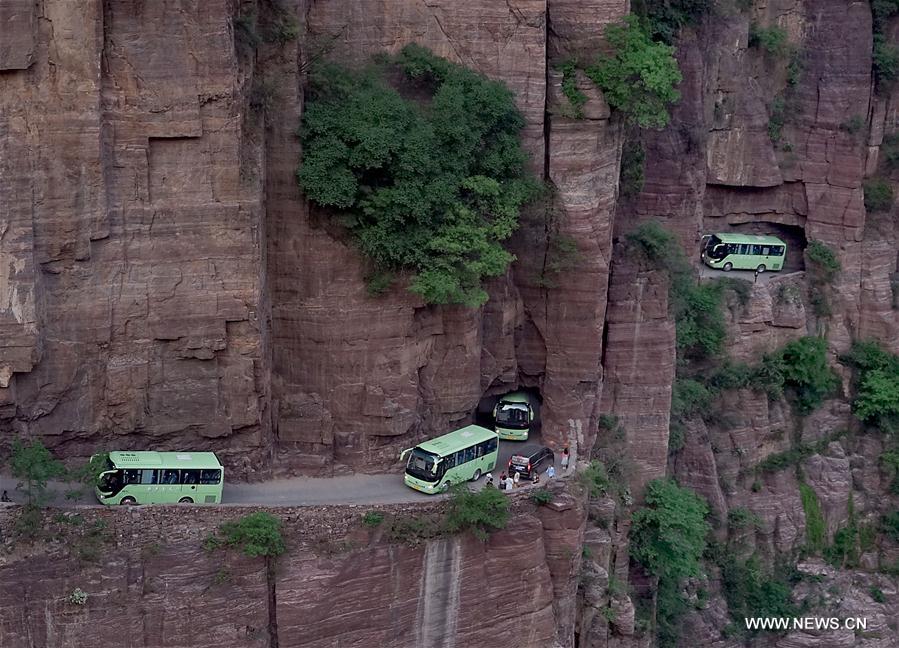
(511, 481)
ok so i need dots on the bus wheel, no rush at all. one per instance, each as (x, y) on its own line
(761, 268)
(185, 500)
(128, 501)
(477, 475)
(728, 266)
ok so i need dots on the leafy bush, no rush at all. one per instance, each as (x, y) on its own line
(664, 18)
(690, 399)
(630, 175)
(885, 60)
(877, 595)
(750, 591)
(541, 497)
(607, 422)
(668, 537)
(668, 534)
(478, 511)
(575, 97)
(433, 189)
(742, 518)
(595, 479)
(877, 397)
(34, 465)
(413, 530)
(639, 78)
(890, 461)
(771, 39)
(776, 119)
(372, 518)
(803, 364)
(77, 597)
(889, 524)
(815, 530)
(823, 258)
(256, 534)
(878, 195)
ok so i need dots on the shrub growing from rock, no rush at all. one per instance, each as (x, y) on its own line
(256, 534)
(431, 185)
(640, 75)
(477, 511)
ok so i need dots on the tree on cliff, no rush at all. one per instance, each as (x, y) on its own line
(35, 466)
(422, 159)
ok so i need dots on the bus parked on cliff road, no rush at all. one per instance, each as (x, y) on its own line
(466, 454)
(513, 416)
(729, 251)
(161, 478)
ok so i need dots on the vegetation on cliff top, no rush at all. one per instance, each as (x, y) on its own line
(256, 534)
(877, 385)
(432, 185)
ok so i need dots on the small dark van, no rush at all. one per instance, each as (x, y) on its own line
(529, 459)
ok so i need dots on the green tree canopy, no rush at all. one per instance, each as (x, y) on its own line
(640, 75)
(668, 535)
(432, 184)
(35, 465)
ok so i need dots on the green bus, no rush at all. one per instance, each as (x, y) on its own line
(465, 454)
(728, 251)
(513, 416)
(161, 478)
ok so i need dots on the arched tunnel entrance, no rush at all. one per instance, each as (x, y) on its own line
(792, 235)
(484, 412)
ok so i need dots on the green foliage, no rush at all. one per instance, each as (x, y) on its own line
(256, 534)
(575, 97)
(88, 545)
(595, 479)
(668, 537)
(776, 119)
(379, 282)
(878, 195)
(794, 67)
(432, 188)
(773, 39)
(889, 524)
(372, 519)
(795, 455)
(630, 177)
(264, 94)
(882, 11)
(665, 18)
(477, 511)
(815, 530)
(608, 422)
(877, 397)
(413, 530)
(246, 36)
(823, 258)
(541, 497)
(690, 399)
(640, 76)
(77, 597)
(803, 365)
(34, 465)
(889, 151)
(889, 460)
(877, 595)
(751, 591)
(885, 60)
(283, 29)
(853, 125)
(668, 534)
(739, 518)
(844, 552)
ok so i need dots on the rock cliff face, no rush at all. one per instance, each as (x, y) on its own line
(164, 283)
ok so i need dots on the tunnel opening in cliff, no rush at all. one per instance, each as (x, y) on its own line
(792, 235)
(483, 414)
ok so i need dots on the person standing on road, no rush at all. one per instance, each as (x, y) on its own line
(5, 497)
(516, 478)
(550, 472)
(489, 481)
(565, 457)
(535, 478)
(509, 483)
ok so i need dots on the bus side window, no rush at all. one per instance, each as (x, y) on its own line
(757, 249)
(470, 454)
(210, 476)
(170, 477)
(131, 477)
(190, 476)
(778, 250)
(491, 446)
(744, 249)
(479, 449)
(766, 250)
(148, 476)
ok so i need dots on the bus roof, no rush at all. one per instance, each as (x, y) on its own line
(515, 397)
(462, 438)
(732, 237)
(143, 459)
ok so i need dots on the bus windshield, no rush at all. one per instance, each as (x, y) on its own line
(513, 415)
(715, 249)
(421, 465)
(110, 482)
